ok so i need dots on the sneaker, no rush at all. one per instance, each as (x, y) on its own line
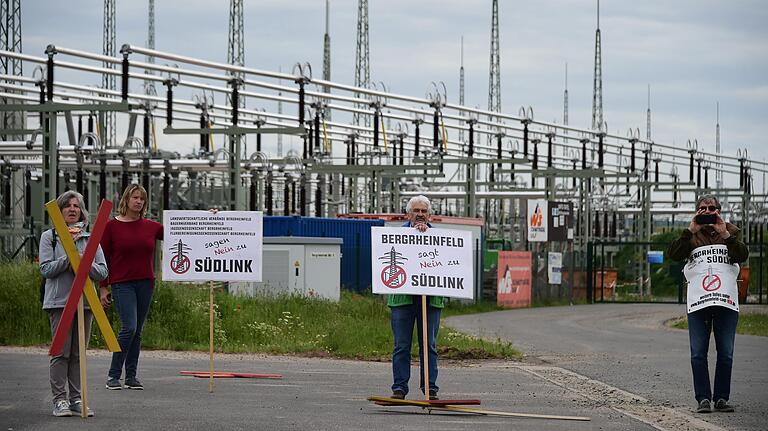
(77, 408)
(704, 407)
(722, 405)
(398, 395)
(114, 384)
(133, 383)
(433, 395)
(61, 408)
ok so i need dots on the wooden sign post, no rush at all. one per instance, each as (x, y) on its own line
(210, 246)
(210, 290)
(81, 340)
(425, 346)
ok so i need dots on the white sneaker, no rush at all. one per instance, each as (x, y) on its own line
(77, 408)
(61, 409)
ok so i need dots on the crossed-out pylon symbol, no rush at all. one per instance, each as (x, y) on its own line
(180, 262)
(393, 275)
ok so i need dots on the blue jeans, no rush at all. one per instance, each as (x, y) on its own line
(701, 323)
(403, 318)
(132, 299)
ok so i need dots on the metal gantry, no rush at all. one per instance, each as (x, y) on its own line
(629, 184)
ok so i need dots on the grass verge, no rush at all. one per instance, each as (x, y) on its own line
(356, 327)
(749, 324)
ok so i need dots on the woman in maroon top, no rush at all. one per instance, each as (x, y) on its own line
(129, 248)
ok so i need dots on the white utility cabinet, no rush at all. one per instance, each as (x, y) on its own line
(306, 266)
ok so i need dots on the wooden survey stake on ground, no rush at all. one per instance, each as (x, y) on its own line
(382, 402)
(429, 405)
(230, 374)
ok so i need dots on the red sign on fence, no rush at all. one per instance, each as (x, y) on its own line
(514, 279)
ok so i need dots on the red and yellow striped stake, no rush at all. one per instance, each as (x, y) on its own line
(81, 284)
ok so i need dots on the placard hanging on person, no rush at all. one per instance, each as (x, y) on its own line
(711, 278)
(202, 246)
(438, 262)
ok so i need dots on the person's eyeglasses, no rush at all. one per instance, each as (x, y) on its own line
(709, 208)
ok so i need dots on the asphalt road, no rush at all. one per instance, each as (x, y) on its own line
(615, 364)
(315, 394)
(629, 347)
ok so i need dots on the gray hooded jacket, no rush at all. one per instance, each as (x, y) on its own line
(55, 268)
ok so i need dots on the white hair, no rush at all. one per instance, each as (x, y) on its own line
(420, 198)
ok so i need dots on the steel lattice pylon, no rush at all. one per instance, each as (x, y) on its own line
(597, 93)
(10, 40)
(648, 116)
(565, 98)
(235, 47)
(718, 171)
(150, 85)
(494, 72)
(108, 135)
(461, 85)
(236, 44)
(235, 56)
(362, 56)
(327, 52)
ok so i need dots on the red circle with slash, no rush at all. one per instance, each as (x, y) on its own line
(397, 280)
(180, 265)
(713, 284)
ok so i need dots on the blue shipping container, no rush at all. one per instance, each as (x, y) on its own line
(355, 251)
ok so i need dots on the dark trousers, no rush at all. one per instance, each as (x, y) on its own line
(132, 300)
(402, 320)
(701, 323)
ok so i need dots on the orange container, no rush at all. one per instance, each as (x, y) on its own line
(743, 283)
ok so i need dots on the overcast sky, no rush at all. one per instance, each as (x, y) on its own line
(693, 53)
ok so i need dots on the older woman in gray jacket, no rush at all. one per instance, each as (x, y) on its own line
(57, 270)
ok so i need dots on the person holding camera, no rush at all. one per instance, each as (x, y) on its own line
(713, 249)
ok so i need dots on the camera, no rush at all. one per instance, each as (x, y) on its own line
(706, 219)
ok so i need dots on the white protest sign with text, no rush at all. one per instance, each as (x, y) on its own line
(711, 278)
(437, 262)
(202, 246)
